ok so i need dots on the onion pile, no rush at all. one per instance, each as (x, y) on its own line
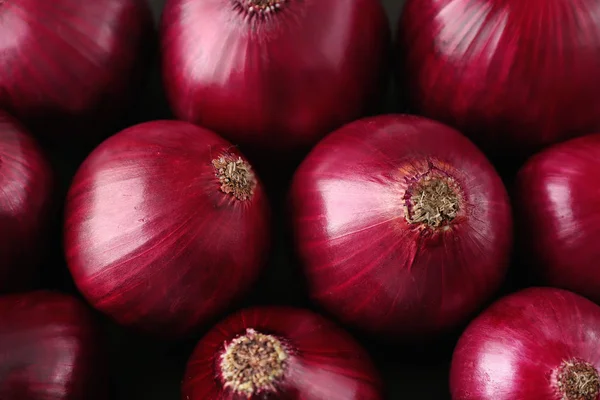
(25, 199)
(515, 75)
(166, 226)
(67, 61)
(559, 210)
(403, 226)
(51, 349)
(273, 75)
(279, 353)
(537, 344)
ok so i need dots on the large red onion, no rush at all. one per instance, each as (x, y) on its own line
(559, 212)
(403, 226)
(279, 353)
(166, 225)
(50, 349)
(515, 75)
(70, 60)
(538, 344)
(25, 199)
(273, 74)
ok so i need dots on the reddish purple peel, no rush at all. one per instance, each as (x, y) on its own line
(26, 183)
(282, 104)
(557, 208)
(68, 87)
(52, 348)
(510, 351)
(145, 207)
(509, 96)
(400, 202)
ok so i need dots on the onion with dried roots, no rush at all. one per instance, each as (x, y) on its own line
(537, 344)
(402, 225)
(274, 75)
(166, 227)
(279, 353)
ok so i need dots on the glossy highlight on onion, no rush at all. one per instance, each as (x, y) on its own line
(514, 75)
(559, 211)
(26, 183)
(537, 344)
(51, 349)
(279, 353)
(273, 75)
(166, 226)
(403, 227)
(70, 61)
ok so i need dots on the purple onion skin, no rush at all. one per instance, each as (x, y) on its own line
(512, 350)
(71, 63)
(559, 210)
(365, 263)
(276, 83)
(514, 75)
(26, 184)
(327, 363)
(50, 349)
(150, 238)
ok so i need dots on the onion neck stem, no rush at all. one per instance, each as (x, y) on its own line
(578, 380)
(431, 201)
(253, 363)
(261, 6)
(235, 176)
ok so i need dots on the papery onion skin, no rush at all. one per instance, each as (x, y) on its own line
(51, 349)
(277, 82)
(70, 64)
(325, 363)
(513, 75)
(150, 237)
(558, 206)
(26, 183)
(365, 262)
(513, 349)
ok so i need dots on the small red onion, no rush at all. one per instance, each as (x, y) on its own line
(166, 226)
(70, 60)
(559, 210)
(50, 349)
(514, 75)
(538, 344)
(25, 199)
(274, 75)
(403, 226)
(279, 353)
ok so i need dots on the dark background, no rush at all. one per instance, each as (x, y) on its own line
(149, 369)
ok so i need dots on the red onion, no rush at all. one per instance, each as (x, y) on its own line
(51, 349)
(515, 75)
(25, 197)
(279, 353)
(70, 59)
(537, 344)
(273, 75)
(403, 226)
(166, 225)
(559, 210)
